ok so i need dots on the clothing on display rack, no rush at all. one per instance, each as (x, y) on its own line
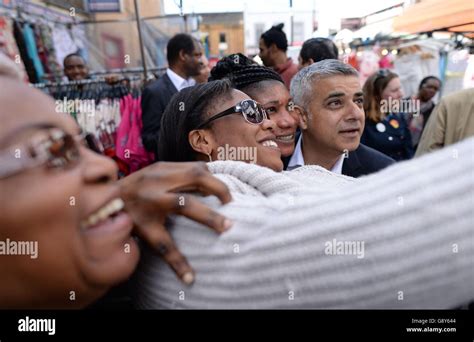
(39, 46)
(111, 113)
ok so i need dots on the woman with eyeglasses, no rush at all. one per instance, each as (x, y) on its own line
(265, 86)
(66, 223)
(385, 127)
(217, 122)
(304, 238)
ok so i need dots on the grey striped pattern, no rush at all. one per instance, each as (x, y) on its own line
(409, 217)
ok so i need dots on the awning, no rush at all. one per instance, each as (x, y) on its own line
(437, 15)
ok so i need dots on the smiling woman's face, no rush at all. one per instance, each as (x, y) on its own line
(76, 261)
(277, 101)
(233, 138)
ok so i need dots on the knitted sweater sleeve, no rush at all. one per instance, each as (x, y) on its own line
(400, 238)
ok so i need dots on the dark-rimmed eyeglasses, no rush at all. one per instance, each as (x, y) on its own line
(252, 112)
(51, 147)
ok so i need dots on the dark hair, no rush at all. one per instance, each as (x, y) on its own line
(74, 54)
(426, 79)
(275, 35)
(186, 111)
(318, 49)
(243, 72)
(181, 41)
(373, 89)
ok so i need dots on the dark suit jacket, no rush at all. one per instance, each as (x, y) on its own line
(365, 160)
(155, 98)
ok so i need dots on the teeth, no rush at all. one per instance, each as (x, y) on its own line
(109, 209)
(269, 143)
(286, 137)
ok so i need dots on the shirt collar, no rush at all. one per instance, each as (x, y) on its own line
(178, 81)
(297, 159)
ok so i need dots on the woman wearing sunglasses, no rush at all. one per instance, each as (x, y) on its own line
(386, 129)
(66, 224)
(309, 238)
(265, 86)
(216, 122)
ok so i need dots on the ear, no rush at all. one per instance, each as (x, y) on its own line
(273, 48)
(201, 141)
(182, 55)
(310, 61)
(303, 117)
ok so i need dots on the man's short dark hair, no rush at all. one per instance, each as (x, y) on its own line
(275, 35)
(181, 41)
(74, 54)
(318, 49)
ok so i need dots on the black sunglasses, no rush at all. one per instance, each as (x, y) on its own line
(252, 112)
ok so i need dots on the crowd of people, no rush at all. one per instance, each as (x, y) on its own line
(283, 161)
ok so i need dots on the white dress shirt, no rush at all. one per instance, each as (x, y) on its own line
(178, 81)
(297, 159)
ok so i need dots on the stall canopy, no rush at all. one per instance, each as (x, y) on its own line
(437, 15)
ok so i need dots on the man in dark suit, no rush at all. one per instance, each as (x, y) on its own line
(184, 55)
(329, 100)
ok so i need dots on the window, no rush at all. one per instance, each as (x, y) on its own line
(259, 29)
(298, 31)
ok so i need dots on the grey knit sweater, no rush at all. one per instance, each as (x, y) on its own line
(400, 238)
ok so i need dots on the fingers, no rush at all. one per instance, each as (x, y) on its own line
(195, 210)
(192, 208)
(156, 236)
(177, 177)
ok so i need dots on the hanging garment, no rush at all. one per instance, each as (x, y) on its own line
(32, 50)
(20, 41)
(129, 143)
(55, 68)
(9, 47)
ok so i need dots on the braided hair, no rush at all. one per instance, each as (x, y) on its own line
(244, 73)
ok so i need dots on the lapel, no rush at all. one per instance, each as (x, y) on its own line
(351, 164)
(169, 85)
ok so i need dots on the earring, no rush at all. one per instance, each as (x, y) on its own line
(210, 158)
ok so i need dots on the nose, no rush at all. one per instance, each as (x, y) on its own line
(97, 168)
(285, 120)
(355, 113)
(268, 124)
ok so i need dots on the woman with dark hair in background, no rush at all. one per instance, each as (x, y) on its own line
(385, 127)
(429, 87)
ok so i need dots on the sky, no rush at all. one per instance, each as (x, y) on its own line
(334, 8)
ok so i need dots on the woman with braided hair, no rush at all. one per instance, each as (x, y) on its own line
(265, 86)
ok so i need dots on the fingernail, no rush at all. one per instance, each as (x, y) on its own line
(188, 278)
(227, 224)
